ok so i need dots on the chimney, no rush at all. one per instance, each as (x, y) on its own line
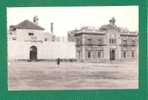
(112, 21)
(51, 27)
(35, 20)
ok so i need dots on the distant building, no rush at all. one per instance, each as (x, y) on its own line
(107, 43)
(27, 40)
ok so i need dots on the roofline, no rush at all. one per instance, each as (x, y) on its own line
(89, 33)
(131, 35)
(16, 26)
(29, 28)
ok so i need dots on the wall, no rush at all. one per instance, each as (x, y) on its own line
(46, 50)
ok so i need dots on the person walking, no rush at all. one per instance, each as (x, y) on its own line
(58, 61)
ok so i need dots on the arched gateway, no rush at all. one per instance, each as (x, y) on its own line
(33, 53)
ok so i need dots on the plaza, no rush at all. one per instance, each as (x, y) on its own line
(46, 75)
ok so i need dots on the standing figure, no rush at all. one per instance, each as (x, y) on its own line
(58, 61)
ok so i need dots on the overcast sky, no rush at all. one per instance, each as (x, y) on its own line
(69, 18)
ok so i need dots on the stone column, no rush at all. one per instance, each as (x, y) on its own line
(83, 48)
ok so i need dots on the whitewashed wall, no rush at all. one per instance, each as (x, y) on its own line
(22, 34)
(46, 50)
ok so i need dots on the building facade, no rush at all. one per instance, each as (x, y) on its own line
(29, 41)
(107, 43)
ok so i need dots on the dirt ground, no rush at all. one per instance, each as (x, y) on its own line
(69, 76)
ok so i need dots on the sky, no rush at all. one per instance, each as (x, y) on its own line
(69, 18)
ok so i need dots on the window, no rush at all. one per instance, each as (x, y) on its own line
(53, 38)
(125, 42)
(13, 38)
(99, 54)
(112, 41)
(133, 42)
(13, 29)
(89, 41)
(89, 54)
(133, 54)
(79, 54)
(124, 54)
(10, 33)
(30, 34)
(78, 41)
(100, 41)
(45, 39)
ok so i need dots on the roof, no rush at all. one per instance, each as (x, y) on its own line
(109, 27)
(113, 26)
(103, 29)
(121, 30)
(26, 24)
(88, 30)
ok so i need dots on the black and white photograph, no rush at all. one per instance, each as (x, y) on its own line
(72, 48)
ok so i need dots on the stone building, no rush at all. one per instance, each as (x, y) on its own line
(29, 41)
(107, 43)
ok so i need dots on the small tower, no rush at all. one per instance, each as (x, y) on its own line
(51, 27)
(35, 20)
(112, 21)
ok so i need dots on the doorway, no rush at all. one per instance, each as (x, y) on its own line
(112, 54)
(33, 53)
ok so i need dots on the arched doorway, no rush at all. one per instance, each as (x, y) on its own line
(112, 54)
(33, 53)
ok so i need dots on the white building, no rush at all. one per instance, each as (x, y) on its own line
(27, 40)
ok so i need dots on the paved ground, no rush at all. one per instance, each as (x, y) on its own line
(49, 76)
